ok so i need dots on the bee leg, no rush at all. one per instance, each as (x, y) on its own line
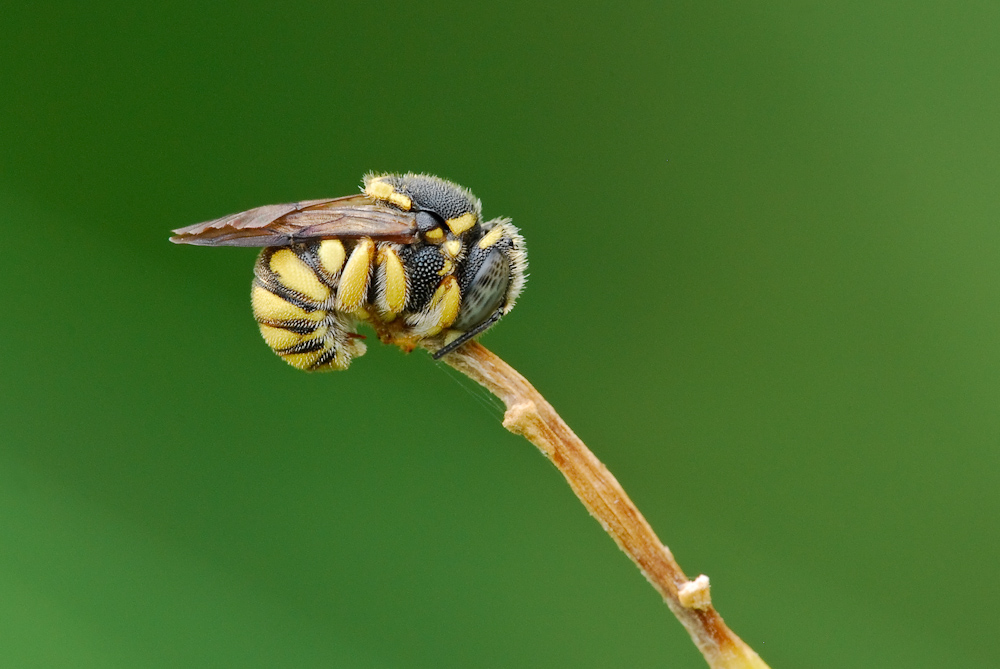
(353, 287)
(391, 284)
(440, 312)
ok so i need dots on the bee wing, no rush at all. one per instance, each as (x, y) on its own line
(284, 224)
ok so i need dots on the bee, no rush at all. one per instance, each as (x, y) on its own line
(410, 256)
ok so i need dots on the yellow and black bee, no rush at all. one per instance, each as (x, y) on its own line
(411, 256)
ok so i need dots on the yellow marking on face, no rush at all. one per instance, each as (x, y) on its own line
(447, 268)
(462, 223)
(435, 236)
(296, 275)
(354, 280)
(385, 192)
(492, 237)
(449, 298)
(331, 255)
(395, 281)
(279, 338)
(269, 307)
(452, 248)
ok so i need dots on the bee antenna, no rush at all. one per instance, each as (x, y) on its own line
(466, 336)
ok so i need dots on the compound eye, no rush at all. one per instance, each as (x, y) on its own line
(484, 287)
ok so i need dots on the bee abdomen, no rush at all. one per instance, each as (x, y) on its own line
(292, 295)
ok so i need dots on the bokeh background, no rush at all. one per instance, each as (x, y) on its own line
(764, 288)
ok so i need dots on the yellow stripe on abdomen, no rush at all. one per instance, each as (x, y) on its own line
(295, 275)
(294, 306)
(279, 338)
(268, 307)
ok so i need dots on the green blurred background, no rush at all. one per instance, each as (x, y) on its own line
(764, 289)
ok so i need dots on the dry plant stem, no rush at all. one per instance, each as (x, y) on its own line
(529, 415)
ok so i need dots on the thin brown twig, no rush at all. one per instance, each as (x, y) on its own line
(529, 415)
